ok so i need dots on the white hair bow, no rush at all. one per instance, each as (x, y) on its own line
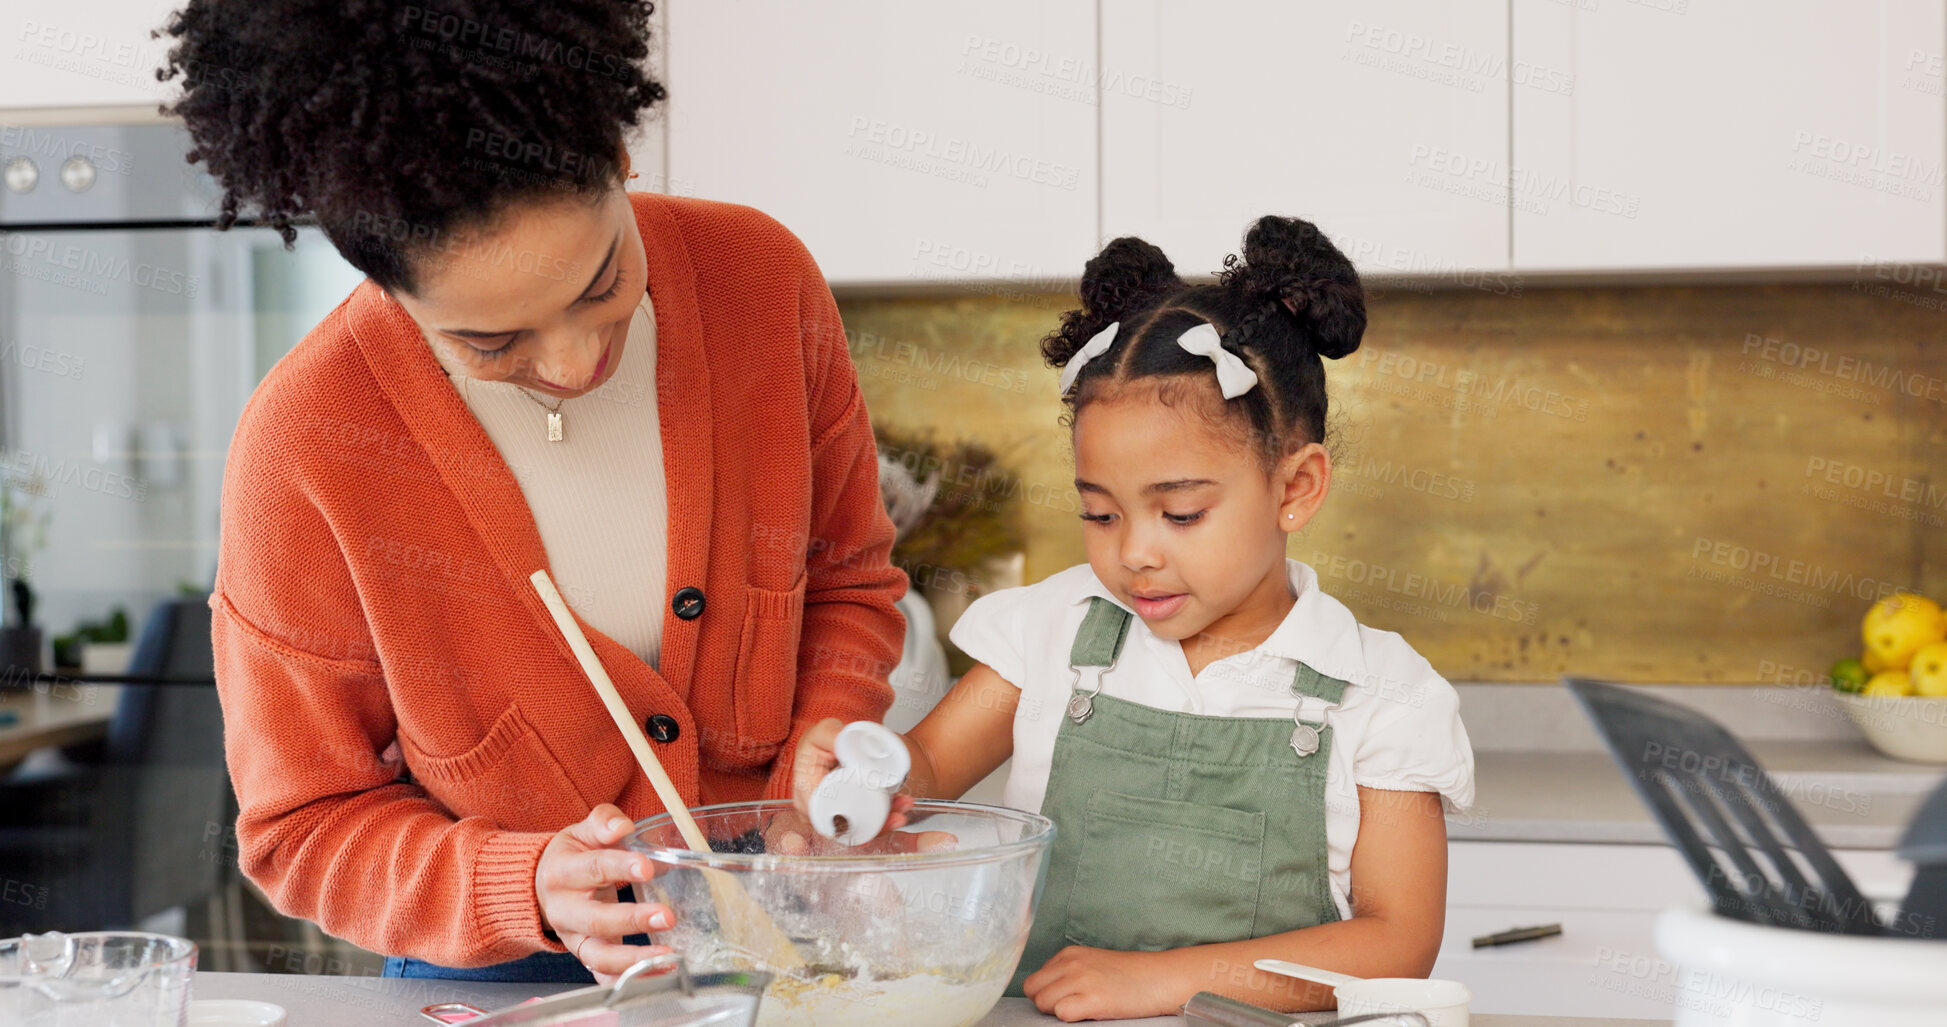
(1097, 345)
(1233, 377)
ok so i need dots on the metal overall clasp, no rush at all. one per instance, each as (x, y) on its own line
(1081, 704)
(1304, 737)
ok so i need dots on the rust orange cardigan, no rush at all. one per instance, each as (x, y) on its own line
(404, 724)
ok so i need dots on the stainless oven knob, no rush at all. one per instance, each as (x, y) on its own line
(21, 175)
(77, 173)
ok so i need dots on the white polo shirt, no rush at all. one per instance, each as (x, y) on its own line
(1398, 726)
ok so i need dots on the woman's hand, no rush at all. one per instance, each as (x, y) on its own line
(575, 884)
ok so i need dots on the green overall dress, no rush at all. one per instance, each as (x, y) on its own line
(1174, 829)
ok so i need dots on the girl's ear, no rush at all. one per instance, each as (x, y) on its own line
(1302, 479)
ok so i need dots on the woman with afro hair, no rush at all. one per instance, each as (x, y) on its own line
(648, 396)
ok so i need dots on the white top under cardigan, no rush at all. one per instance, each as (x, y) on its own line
(599, 496)
(1398, 726)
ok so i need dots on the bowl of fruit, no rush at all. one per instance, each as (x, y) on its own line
(1896, 691)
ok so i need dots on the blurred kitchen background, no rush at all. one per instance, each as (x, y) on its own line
(1653, 388)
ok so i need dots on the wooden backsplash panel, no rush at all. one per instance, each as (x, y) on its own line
(1651, 484)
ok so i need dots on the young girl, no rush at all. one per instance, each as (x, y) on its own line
(1236, 767)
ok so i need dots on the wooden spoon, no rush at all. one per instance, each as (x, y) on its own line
(745, 923)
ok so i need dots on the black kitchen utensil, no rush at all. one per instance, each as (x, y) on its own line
(1757, 857)
(1518, 934)
(1925, 846)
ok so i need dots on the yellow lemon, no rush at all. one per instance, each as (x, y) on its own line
(1929, 670)
(1898, 625)
(1889, 682)
(1871, 661)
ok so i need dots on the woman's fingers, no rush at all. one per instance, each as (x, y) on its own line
(593, 870)
(611, 920)
(608, 957)
(602, 827)
(576, 877)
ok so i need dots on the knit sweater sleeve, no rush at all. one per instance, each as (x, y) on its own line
(328, 826)
(853, 631)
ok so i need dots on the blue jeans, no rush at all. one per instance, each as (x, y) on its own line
(539, 968)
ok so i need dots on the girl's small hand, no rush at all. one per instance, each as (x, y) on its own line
(575, 884)
(791, 833)
(814, 760)
(1081, 983)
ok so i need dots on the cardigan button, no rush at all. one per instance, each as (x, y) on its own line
(688, 603)
(663, 728)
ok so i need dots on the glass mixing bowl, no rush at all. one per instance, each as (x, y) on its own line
(97, 979)
(914, 939)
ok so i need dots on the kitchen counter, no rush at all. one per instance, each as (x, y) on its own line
(1852, 796)
(319, 1001)
(1543, 778)
(1542, 775)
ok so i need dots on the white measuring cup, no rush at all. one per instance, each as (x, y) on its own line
(852, 803)
(1442, 1002)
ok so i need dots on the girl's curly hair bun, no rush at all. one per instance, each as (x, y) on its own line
(1128, 275)
(1290, 263)
(1124, 275)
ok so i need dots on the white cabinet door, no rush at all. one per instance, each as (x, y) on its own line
(1730, 133)
(84, 53)
(1383, 121)
(648, 142)
(902, 141)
